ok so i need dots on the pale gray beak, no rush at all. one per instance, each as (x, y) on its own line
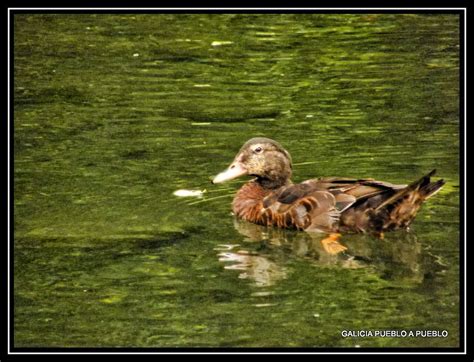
(235, 170)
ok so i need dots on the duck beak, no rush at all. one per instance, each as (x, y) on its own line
(235, 170)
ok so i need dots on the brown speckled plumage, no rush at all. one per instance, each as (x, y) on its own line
(328, 204)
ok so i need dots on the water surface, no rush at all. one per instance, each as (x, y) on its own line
(113, 113)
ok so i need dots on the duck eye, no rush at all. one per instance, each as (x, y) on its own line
(258, 150)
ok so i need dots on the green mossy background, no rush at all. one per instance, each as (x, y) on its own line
(112, 113)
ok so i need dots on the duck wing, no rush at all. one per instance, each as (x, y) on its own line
(381, 206)
(305, 206)
(317, 204)
(360, 189)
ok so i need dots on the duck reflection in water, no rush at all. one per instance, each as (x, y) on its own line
(263, 255)
(260, 269)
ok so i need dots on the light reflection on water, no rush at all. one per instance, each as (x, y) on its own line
(400, 257)
(114, 113)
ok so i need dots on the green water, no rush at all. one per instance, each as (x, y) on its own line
(113, 113)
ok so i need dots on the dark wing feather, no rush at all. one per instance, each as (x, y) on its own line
(291, 193)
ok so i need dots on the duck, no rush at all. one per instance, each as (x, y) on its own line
(332, 205)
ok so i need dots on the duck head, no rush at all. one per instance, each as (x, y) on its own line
(263, 158)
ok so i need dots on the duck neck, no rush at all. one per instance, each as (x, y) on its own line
(278, 175)
(249, 201)
(273, 183)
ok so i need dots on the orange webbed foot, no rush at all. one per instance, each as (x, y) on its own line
(332, 245)
(379, 235)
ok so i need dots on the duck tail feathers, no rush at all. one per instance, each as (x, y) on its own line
(423, 187)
